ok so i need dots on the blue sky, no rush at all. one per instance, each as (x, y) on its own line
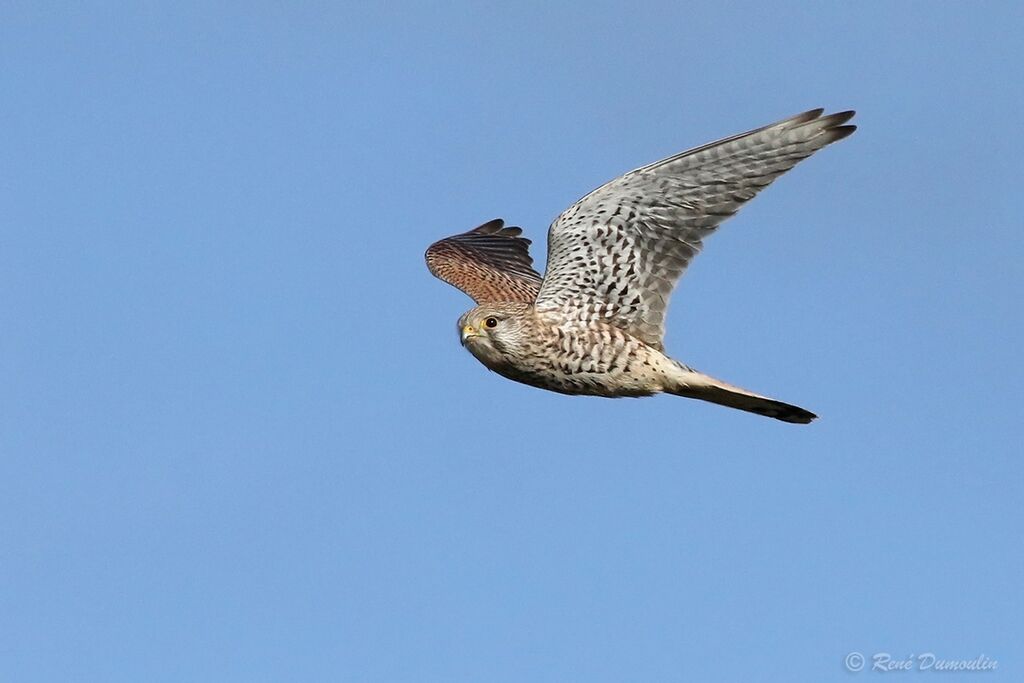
(239, 440)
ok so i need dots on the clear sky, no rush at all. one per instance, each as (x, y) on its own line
(239, 440)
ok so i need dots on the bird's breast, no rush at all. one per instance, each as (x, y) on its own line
(574, 360)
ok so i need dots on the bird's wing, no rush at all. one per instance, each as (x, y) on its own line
(490, 263)
(617, 253)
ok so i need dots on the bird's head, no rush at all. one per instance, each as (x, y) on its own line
(494, 333)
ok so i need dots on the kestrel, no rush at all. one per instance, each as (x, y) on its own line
(594, 323)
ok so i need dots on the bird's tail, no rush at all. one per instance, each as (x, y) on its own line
(692, 384)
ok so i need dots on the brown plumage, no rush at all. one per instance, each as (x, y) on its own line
(594, 324)
(489, 263)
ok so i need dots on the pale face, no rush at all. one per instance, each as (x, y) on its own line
(491, 333)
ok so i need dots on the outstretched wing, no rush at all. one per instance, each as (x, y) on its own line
(490, 263)
(617, 253)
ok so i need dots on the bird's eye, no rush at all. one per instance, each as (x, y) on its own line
(491, 322)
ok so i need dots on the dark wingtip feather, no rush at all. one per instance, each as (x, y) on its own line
(490, 227)
(841, 116)
(808, 115)
(840, 132)
(784, 412)
(797, 416)
(834, 124)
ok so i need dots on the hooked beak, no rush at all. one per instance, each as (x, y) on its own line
(468, 332)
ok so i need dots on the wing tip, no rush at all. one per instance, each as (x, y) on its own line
(842, 116)
(838, 118)
(497, 228)
(490, 227)
(809, 115)
(836, 128)
(797, 416)
(835, 118)
(830, 125)
(840, 132)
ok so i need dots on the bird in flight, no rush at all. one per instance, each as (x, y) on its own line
(593, 324)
